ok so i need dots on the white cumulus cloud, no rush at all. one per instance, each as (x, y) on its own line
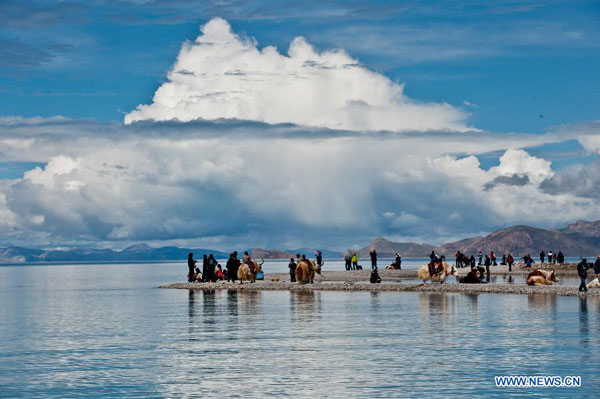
(223, 75)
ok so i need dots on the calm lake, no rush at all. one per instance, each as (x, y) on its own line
(106, 331)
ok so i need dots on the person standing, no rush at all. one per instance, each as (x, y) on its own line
(292, 265)
(597, 267)
(560, 257)
(510, 260)
(191, 268)
(487, 263)
(542, 257)
(582, 268)
(319, 258)
(212, 265)
(480, 259)
(204, 268)
(354, 261)
(493, 258)
(373, 255)
(348, 259)
(232, 267)
(550, 257)
(398, 261)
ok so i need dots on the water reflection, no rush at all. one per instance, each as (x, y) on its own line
(473, 298)
(540, 302)
(375, 305)
(232, 303)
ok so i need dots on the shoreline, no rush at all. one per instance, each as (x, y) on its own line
(392, 281)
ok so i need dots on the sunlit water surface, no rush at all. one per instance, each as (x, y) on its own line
(105, 331)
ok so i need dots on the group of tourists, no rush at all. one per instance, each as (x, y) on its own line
(212, 271)
(552, 258)
(486, 260)
(582, 268)
(302, 258)
(351, 259)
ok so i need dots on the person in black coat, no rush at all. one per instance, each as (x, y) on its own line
(582, 268)
(597, 267)
(204, 268)
(292, 266)
(191, 265)
(232, 267)
(373, 255)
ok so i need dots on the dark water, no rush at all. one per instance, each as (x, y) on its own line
(104, 331)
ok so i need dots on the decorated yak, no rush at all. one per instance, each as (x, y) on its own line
(541, 277)
(305, 271)
(247, 271)
(438, 272)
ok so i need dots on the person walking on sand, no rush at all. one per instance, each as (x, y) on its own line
(582, 268)
(292, 265)
(373, 255)
(191, 266)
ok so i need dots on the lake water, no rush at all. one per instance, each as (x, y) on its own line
(105, 331)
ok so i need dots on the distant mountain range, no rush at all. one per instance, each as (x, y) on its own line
(388, 249)
(577, 239)
(138, 252)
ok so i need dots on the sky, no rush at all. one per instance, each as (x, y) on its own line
(243, 123)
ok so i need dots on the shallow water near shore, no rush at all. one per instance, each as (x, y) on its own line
(106, 331)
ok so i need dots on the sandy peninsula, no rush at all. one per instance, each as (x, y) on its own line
(397, 280)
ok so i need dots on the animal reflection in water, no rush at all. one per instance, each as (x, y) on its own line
(305, 271)
(440, 271)
(541, 277)
(248, 271)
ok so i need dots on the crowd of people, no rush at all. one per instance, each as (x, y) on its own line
(486, 260)
(212, 271)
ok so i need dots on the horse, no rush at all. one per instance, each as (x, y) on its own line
(305, 271)
(541, 277)
(440, 275)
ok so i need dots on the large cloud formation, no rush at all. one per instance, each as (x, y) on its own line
(222, 75)
(245, 147)
(238, 183)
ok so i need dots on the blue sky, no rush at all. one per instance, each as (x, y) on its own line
(523, 66)
(450, 96)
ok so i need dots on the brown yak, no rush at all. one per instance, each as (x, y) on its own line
(541, 277)
(305, 271)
